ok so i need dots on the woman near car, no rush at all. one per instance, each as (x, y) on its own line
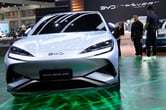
(118, 32)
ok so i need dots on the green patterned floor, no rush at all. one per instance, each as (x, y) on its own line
(143, 87)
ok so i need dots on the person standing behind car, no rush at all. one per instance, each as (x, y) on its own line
(152, 23)
(118, 32)
(136, 35)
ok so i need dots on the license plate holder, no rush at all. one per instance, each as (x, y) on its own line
(56, 74)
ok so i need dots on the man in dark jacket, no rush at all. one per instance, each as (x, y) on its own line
(151, 26)
(136, 35)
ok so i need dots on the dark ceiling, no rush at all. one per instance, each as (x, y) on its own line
(4, 5)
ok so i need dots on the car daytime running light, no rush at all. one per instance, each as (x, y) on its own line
(99, 46)
(18, 51)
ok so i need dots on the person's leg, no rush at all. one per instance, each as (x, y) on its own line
(148, 47)
(154, 48)
(148, 50)
(140, 47)
(119, 47)
(136, 46)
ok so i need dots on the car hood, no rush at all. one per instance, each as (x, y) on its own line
(61, 43)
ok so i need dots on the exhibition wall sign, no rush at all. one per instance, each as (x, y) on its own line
(122, 10)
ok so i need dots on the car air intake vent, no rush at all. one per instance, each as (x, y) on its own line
(55, 85)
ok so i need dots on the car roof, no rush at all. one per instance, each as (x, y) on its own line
(76, 12)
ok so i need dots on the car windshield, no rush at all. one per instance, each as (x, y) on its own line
(71, 23)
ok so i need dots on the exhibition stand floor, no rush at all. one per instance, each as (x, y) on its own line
(143, 87)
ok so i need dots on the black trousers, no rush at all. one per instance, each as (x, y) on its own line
(118, 41)
(151, 42)
(138, 45)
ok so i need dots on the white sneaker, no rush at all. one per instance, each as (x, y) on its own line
(154, 58)
(146, 58)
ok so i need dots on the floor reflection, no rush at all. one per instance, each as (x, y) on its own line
(143, 84)
(77, 100)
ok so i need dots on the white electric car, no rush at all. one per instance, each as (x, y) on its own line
(64, 51)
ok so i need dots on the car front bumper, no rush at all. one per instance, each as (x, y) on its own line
(86, 73)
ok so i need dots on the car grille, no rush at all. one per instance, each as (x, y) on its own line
(54, 85)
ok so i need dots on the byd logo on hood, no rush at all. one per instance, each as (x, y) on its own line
(139, 5)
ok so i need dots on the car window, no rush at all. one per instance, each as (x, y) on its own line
(91, 22)
(71, 23)
(49, 25)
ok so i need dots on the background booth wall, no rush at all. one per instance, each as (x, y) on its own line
(122, 10)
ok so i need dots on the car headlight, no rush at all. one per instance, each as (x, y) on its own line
(18, 51)
(102, 45)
